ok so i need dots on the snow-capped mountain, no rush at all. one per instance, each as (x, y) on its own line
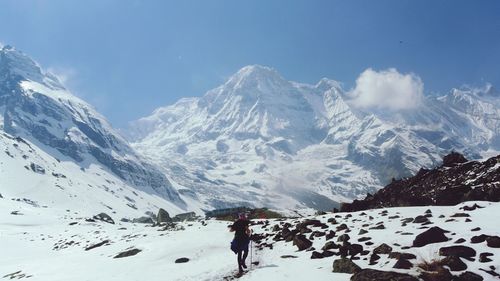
(58, 149)
(259, 139)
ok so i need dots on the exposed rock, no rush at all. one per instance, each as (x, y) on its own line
(105, 242)
(289, 257)
(431, 235)
(479, 239)
(397, 255)
(104, 217)
(362, 231)
(420, 219)
(454, 263)
(343, 237)
(127, 253)
(378, 275)
(330, 235)
(344, 265)
(383, 249)
(458, 251)
(453, 159)
(493, 242)
(163, 216)
(316, 255)
(181, 260)
(148, 220)
(469, 276)
(403, 264)
(301, 242)
(484, 257)
(330, 245)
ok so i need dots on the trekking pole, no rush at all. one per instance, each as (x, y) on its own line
(251, 252)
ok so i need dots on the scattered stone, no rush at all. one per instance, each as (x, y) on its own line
(362, 231)
(316, 255)
(344, 265)
(493, 242)
(460, 241)
(471, 208)
(454, 263)
(406, 256)
(289, 257)
(127, 253)
(484, 257)
(330, 235)
(479, 239)
(364, 239)
(104, 217)
(420, 219)
(301, 242)
(383, 249)
(469, 276)
(432, 235)
(355, 249)
(163, 216)
(342, 227)
(181, 260)
(374, 259)
(403, 264)
(458, 251)
(476, 229)
(460, 215)
(330, 245)
(343, 237)
(379, 275)
(380, 226)
(105, 242)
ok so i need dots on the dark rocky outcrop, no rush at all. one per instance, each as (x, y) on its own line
(454, 182)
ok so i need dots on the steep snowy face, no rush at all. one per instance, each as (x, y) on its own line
(259, 139)
(35, 106)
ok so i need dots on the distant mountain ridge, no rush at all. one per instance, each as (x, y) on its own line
(259, 139)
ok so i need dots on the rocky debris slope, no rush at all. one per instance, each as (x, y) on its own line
(408, 243)
(456, 180)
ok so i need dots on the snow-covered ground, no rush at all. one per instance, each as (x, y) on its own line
(49, 244)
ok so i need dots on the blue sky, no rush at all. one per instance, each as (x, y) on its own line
(129, 57)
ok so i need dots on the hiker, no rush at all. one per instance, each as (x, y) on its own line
(239, 245)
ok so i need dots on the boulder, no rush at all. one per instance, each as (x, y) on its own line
(345, 265)
(301, 242)
(143, 220)
(163, 216)
(493, 242)
(397, 255)
(403, 264)
(127, 253)
(431, 235)
(181, 260)
(330, 245)
(454, 263)
(383, 249)
(457, 251)
(379, 275)
(469, 276)
(104, 217)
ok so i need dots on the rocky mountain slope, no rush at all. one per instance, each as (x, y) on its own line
(259, 139)
(57, 150)
(456, 180)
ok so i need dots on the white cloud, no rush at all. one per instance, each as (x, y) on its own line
(65, 75)
(387, 89)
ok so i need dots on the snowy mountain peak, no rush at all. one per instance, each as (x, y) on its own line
(15, 65)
